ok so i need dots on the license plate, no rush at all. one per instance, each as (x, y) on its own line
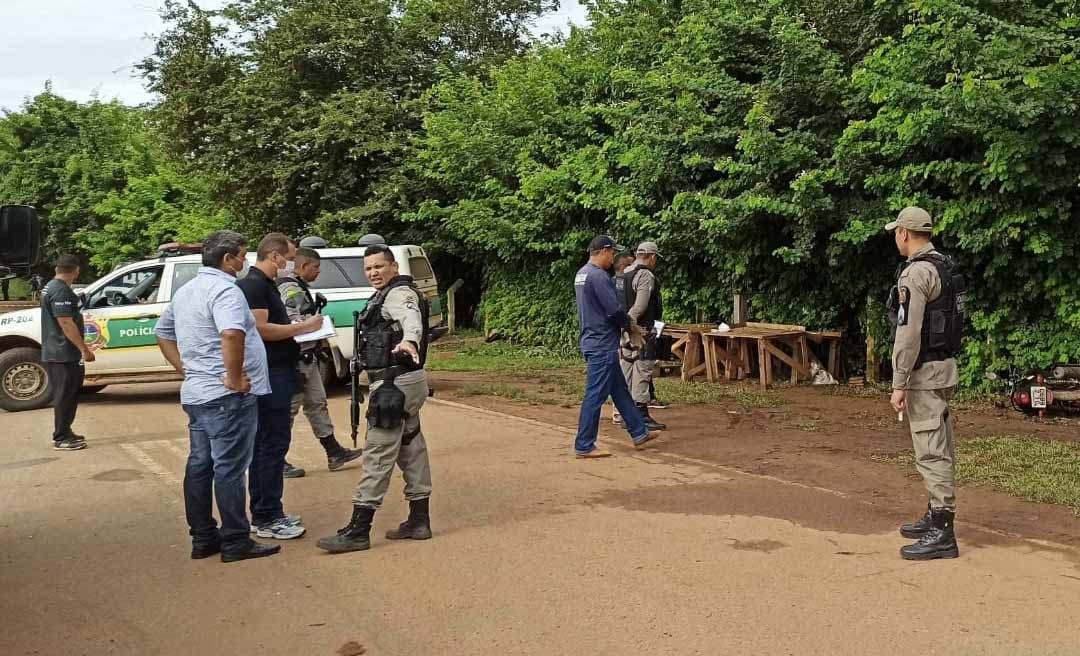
(1038, 396)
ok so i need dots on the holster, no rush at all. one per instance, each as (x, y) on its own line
(386, 406)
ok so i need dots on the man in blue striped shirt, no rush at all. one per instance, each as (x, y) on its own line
(209, 334)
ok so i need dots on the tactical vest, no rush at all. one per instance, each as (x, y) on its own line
(308, 308)
(379, 337)
(942, 329)
(624, 290)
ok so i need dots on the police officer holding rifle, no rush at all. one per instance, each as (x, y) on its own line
(392, 349)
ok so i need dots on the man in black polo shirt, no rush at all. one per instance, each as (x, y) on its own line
(63, 350)
(265, 477)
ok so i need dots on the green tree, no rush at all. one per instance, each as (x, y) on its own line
(977, 117)
(98, 177)
(305, 109)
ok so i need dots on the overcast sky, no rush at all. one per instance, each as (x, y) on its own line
(89, 46)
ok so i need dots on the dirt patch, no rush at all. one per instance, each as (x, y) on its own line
(767, 546)
(351, 648)
(117, 475)
(819, 438)
(21, 464)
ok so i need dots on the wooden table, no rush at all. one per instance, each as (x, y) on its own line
(688, 347)
(833, 337)
(730, 351)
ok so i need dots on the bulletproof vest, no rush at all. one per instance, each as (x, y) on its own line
(624, 290)
(379, 336)
(942, 329)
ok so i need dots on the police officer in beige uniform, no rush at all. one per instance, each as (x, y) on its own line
(300, 304)
(638, 290)
(926, 308)
(393, 351)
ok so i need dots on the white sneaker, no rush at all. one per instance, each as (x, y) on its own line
(291, 520)
(616, 419)
(280, 529)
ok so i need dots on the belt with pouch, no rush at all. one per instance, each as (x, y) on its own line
(309, 356)
(383, 375)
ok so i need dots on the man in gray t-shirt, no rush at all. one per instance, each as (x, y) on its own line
(63, 350)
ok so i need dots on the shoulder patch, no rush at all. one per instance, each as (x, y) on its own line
(904, 297)
(580, 278)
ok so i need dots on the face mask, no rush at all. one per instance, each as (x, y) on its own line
(243, 269)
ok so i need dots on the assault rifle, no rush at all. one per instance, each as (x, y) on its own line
(355, 367)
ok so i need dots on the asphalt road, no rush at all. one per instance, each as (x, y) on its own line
(534, 553)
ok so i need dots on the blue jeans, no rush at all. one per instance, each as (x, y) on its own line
(604, 379)
(265, 479)
(222, 433)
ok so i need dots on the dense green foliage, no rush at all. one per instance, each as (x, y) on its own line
(305, 110)
(100, 181)
(762, 143)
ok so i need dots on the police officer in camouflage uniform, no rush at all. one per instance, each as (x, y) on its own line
(926, 309)
(393, 347)
(311, 395)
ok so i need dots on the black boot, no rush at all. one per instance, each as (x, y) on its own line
(356, 536)
(650, 423)
(916, 530)
(939, 541)
(336, 455)
(417, 526)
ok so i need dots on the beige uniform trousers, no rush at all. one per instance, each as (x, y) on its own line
(638, 374)
(932, 436)
(385, 447)
(312, 397)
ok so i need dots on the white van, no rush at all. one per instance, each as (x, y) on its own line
(121, 309)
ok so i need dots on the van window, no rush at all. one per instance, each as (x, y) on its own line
(420, 268)
(183, 274)
(340, 272)
(131, 288)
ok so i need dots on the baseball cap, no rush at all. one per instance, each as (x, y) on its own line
(648, 248)
(912, 218)
(600, 242)
(312, 241)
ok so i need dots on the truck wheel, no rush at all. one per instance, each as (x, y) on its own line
(24, 382)
(91, 389)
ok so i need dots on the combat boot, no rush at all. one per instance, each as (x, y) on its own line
(939, 541)
(650, 423)
(337, 456)
(356, 536)
(917, 529)
(417, 526)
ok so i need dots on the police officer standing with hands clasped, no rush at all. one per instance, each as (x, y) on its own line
(393, 349)
(926, 309)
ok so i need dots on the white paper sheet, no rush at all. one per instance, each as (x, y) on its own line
(659, 326)
(326, 332)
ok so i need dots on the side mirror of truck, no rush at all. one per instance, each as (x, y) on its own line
(20, 237)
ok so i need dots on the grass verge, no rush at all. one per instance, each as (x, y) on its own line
(1042, 470)
(508, 392)
(476, 355)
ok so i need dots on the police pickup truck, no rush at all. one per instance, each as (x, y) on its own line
(121, 309)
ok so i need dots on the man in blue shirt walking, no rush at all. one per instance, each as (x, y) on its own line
(602, 319)
(209, 335)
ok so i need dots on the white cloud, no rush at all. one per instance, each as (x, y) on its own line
(87, 47)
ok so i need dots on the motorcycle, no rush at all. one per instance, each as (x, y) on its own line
(1035, 392)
